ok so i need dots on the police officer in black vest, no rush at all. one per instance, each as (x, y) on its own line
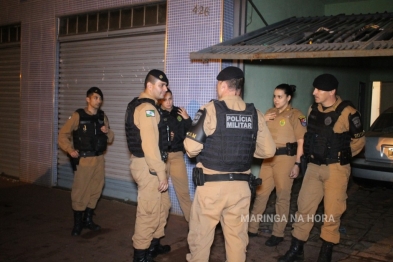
(84, 137)
(334, 134)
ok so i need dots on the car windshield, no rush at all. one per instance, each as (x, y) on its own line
(384, 123)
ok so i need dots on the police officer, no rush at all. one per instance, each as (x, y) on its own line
(178, 122)
(148, 153)
(287, 126)
(84, 137)
(225, 135)
(334, 134)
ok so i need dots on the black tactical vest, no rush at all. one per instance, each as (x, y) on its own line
(321, 144)
(89, 137)
(133, 134)
(231, 147)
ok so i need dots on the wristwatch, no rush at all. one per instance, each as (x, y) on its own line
(297, 163)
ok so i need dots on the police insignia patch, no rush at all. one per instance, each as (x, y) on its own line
(282, 122)
(303, 120)
(150, 113)
(179, 118)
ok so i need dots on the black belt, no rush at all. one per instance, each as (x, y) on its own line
(89, 153)
(326, 161)
(227, 177)
(281, 151)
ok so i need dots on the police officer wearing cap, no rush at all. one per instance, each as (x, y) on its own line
(224, 136)
(84, 137)
(148, 156)
(334, 134)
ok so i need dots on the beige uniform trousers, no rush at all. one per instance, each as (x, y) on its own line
(153, 207)
(177, 170)
(327, 182)
(226, 202)
(275, 174)
(88, 182)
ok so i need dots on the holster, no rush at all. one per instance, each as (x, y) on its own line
(197, 176)
(253, 183)
(74, 162)
(303, 165)
(291, 148)
(345, 157)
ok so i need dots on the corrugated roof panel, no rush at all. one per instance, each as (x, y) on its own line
(324, 36)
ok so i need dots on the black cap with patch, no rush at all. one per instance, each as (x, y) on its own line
(230, 72)
(93, 90)
(325, 82)
(159, 75)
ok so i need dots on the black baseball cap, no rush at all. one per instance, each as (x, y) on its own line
(93, 90)
(325, 82)
(158, 74)
(230, 72)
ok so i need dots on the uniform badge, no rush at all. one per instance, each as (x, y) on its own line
(282, 122)
(84, 128)
(196, 118)
(150, 113)
(179, 118)
(303, 120)
(328, 120)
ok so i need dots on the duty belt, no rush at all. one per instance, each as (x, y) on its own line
(89, 153)
(281, 151)
(326, 161)
(227, 177)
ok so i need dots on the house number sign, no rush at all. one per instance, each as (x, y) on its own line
(201, 10)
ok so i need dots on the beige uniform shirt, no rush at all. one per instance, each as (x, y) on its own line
(265, 146)
(146, 118)
(65, 139)
(288, 126)
(342, 125)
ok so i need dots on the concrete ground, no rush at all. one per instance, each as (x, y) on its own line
(36, 223)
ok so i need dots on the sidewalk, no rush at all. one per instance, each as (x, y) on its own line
(36, 225)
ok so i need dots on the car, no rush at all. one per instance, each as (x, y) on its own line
(376, 161)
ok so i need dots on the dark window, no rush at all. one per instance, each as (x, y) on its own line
(82, 24)
(125, 18)
(72, 22)
(63, 26)
(137, 16)
(92, 27)
(161, 13)
(151, 15)
(384, 123)
(114, 20)
(13, 33)
(103, 21)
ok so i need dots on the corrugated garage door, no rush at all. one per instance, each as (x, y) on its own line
(118, 66)
(10, 110)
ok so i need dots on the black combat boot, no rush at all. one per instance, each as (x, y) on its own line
(140, 255)
(325, 254)
(156, 248)
(88, 220)
(295, 252)
(78, 225)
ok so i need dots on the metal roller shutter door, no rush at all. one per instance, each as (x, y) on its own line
(10, 110)
(117, 66)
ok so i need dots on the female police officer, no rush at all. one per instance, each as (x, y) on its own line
(287, 126)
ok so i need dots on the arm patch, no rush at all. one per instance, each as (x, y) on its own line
(196, 131)
(355, 125)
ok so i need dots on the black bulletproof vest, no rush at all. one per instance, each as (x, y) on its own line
(89, 137)
(231, 147)
(320, 141)
(133, 134)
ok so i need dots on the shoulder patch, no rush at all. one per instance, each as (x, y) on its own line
(303, 120)
(150, 113)
(179, 118)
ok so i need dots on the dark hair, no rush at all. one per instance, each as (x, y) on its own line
(235, 83)
(168, 91)
(288, 89)
(150, 79)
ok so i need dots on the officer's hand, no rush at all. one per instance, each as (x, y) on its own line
(163, 185)
(270, 117)
(104, 129)
(182, 111)
(294, 172)
(74, 154)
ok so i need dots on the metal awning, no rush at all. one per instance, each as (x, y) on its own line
(364, 35)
